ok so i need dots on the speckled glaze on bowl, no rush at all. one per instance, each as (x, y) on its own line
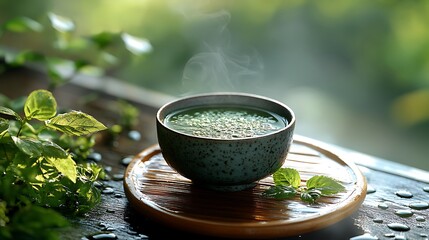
(225, 164)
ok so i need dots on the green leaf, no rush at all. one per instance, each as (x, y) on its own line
(280, 192)
(9, 112)
(23, 24)
(23, 57)
(306, 197)
(287, 177)
(136, 45)
(103, 39)
(60, 23)
(31, 147)
(34, 222)
(75, 123)
(66, 166)
(51, 149)
(326, 185)
(3, 214)
(40, 105)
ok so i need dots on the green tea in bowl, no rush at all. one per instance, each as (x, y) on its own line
(225, 141)
(225, 122)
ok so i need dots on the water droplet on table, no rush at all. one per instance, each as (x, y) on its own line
(95, 156)
(108, 190)
(400, 237)
(404, 213)
(365, 236)
(420, 219)
(426, 189)
(118, 177)
(378, 220)
(110, 211)
(398, 227)
(126, 160)
(134, 135)
(370, 189)
(404, 194)
(383, 206)
(389, 235)
(100, 236)
(423, 235)
(419, 205)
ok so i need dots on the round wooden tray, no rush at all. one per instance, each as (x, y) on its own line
(157, 191)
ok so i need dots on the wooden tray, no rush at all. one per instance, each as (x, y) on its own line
(160, 193)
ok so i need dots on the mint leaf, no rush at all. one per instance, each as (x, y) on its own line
(9, 112)
(33, 221)
(287, 177)
(31, 147)
(40, 105)
(51, 149)
(280, 192)
(23, 24)
(326, 185)
(66, 166)
(75, 123)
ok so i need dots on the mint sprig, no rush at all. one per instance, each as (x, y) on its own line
(287, 185)
(42, 175)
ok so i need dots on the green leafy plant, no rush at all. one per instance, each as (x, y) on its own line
(70, 54)
(287, 184)
(39, 179)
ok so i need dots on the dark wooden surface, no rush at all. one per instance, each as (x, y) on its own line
(116, 218)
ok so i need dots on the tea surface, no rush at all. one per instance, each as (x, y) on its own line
(225, 122)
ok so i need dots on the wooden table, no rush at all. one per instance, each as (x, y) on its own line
(115, 218)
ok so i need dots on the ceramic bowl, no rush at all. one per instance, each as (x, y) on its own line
(225, 164)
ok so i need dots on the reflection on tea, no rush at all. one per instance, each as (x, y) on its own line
(225, 122)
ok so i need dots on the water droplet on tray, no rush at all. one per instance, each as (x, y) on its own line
(398, 227)
(404, 213)
(419, 205)
(404, 194)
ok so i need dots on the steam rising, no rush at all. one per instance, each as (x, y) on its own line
(221, 65)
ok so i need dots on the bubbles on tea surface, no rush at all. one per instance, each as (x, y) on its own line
(225, 122)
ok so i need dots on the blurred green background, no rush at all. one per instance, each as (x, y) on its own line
(355, 72)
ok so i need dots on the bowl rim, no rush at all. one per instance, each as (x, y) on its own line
(291, 123)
